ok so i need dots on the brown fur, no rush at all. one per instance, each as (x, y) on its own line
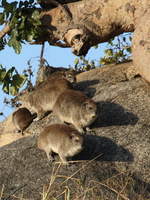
(22, 118)
(75, 107)
(43, 97)
(68, 75)
(61, 139)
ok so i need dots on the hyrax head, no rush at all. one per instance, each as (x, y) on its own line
(70, 76)
(75, 140)
(90, 110)
(23, 95)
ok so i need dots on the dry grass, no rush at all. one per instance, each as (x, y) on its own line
(119, 185)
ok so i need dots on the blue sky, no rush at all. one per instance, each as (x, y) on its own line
(56, 57)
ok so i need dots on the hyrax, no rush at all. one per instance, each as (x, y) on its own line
(74, 107)
(61, 139)
(68, 75)
(22, 118)
(43, 97)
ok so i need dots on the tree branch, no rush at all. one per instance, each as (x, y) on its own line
(94, 22)
(5, 30)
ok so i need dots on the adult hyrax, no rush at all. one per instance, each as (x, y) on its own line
(22, 118)
(74, 107)
(68, 75)
(43, 97)
(61, 139)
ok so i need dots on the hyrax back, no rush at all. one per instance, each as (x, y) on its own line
(61, 139)
(22, 118)
(68, 75)
(75, 107)
(43, 97)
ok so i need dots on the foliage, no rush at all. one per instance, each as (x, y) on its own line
(28, 73)
(11, 80)
(117, 50)
(24, 22)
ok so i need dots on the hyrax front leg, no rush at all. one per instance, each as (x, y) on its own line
(63, 159)
(49, 154)
(79, 127)
(40, 114)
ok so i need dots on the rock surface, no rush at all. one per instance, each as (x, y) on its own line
(115, 162)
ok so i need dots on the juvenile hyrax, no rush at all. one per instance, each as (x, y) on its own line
(68, 75)
(22, 118)
(61, 139)
(43, 97)
(74, 107)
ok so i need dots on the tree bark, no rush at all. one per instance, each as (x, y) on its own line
(92, 22)
(98, 21)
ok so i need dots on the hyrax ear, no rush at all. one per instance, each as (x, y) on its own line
(85, 103)
(64, 75)
(71, 136)
(30, 89)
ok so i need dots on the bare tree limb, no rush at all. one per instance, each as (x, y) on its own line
(5, 30)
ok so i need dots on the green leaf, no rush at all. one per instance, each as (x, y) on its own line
(4, 3)
(14, 21)
(22, 25)
(21, 4)
(5, 87)
(13, 90)
(10, 72)
(26, 4)
(128, 49)
(37, 23)
(35, 15)
(2, 18)
(9, 8)
(96, 46)
(124, 39)
(14, 3)
(17, 46)
(14, 34)
(109, 53)
(31, 1)
(76, 61)
(111, 43)
(10, 42)
(2, 75)
(30, 37)
(17, 82)
(130, 38)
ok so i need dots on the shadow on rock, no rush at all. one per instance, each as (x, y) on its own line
(85, 86)
(114, 114)
(109, 151)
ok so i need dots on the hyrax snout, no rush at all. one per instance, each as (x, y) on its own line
(61, 139)
(43, 97)
(22, 118)
(76, 108)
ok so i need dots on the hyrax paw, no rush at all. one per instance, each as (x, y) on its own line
(88, 129)
(36, 119)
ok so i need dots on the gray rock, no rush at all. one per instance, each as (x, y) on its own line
(115, 161)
